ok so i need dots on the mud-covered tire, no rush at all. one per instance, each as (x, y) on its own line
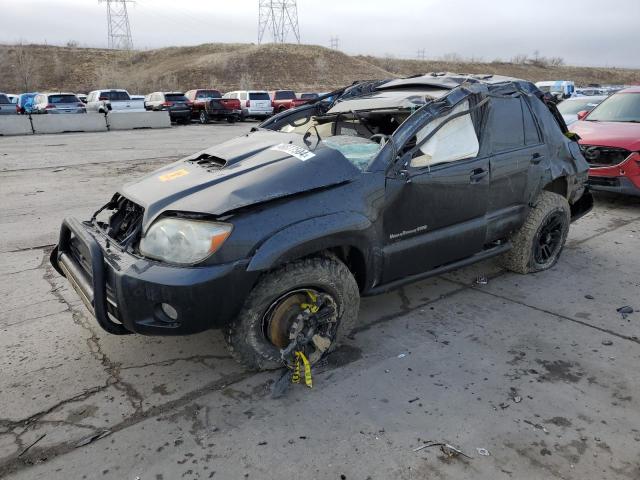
(523, 257)
(245, 336)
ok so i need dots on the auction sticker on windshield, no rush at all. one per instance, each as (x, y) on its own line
(298, 152)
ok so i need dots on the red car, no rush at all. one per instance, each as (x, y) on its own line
(610, 142)
(282, 100)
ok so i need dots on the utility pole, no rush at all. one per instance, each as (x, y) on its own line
(119, 30)
(280, 17)
(335, 43)
(421, 54)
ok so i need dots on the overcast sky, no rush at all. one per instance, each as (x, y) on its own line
(583, 32)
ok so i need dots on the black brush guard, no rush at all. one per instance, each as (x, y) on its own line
(92, 288)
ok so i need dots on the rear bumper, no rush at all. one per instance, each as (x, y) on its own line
(125, 292)
(182, 114)
(622, 178)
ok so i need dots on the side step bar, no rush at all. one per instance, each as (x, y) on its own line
(478, 257)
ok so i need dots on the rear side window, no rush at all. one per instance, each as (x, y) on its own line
(259, 96)
(116, 96)
(208, 94)
(285, 95)
(175, 97)
(63, 99)
(505, 125)
(531, 134)
(4, 99)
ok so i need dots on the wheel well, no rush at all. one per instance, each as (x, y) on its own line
(353, 258)
(559, 186)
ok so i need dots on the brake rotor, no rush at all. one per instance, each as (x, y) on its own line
(282, 317)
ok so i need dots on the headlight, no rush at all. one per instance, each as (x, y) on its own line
(183, 241)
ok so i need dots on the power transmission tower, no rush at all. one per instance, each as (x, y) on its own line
(280, 17)
(118, 24)
(335, 43)
(421, 54)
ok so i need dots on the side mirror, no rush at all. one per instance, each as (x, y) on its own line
(582, 114)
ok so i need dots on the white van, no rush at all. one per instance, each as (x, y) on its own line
(254, 103)
(560, 88)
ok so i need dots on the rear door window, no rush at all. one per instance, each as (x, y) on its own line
(259, 96)
(4, 99)
(531, 134)
(505, 125)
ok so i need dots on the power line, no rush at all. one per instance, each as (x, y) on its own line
(119, 29)
(421, 54)
(335, 43)
(280, 17)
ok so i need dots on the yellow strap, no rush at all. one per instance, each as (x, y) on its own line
(295, 378)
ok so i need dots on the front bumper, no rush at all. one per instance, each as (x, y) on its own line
(622, 178)
(125, 292)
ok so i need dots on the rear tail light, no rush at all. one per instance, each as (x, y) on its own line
(166, 104)
(102, 99)
(49, 105)
(248, 103)
(18, 109)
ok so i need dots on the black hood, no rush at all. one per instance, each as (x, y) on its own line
(251, 169)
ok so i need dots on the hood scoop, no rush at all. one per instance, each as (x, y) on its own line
(208, 162)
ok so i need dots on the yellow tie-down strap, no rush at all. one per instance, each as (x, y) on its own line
(295, 378)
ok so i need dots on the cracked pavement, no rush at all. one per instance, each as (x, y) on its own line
(539, 370)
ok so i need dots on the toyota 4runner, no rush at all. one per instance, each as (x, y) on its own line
(275, 235)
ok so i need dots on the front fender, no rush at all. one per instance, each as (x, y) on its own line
(314, 235)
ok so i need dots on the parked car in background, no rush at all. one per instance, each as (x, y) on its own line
(7, 107)
(589, 92)
(570, 107)
(559, 88)
(207, 104)
(113, 100)
(57, 103)
(610, 142)
(178, 106)
(138, 97)
(282, 100)
(254, 103)
(13, 98)
(82, 97)
(25, 102)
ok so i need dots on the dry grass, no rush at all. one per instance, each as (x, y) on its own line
(234, 66)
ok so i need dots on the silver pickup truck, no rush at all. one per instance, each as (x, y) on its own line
(113, 100)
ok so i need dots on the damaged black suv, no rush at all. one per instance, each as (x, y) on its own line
(275, 235)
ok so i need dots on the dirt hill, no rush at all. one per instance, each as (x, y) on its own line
(235, 66)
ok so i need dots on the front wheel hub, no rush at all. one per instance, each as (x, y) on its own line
(303, 320)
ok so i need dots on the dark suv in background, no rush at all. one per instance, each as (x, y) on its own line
(176, 103)
(274, 235)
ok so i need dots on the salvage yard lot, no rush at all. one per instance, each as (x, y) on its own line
(540, 370)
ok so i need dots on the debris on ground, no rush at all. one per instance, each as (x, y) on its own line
(517, 399)
(32, 444)
(92, 438)
(607, 342)
(402, 355)
(481, 280)
(449, 450)
(483, 451)
(624, 311)
(589, 297)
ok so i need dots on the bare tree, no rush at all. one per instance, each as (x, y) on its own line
(519, 59)
(556, 61)
(25, 66)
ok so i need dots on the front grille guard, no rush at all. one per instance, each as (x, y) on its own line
(92, 288)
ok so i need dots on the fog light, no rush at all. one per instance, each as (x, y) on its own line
(169, 311)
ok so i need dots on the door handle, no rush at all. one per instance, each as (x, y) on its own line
(478, 174)
(536, 158)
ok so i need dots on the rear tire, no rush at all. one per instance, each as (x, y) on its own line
(247, 337)
(231, 119)
(243, 117)
(539, 242)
